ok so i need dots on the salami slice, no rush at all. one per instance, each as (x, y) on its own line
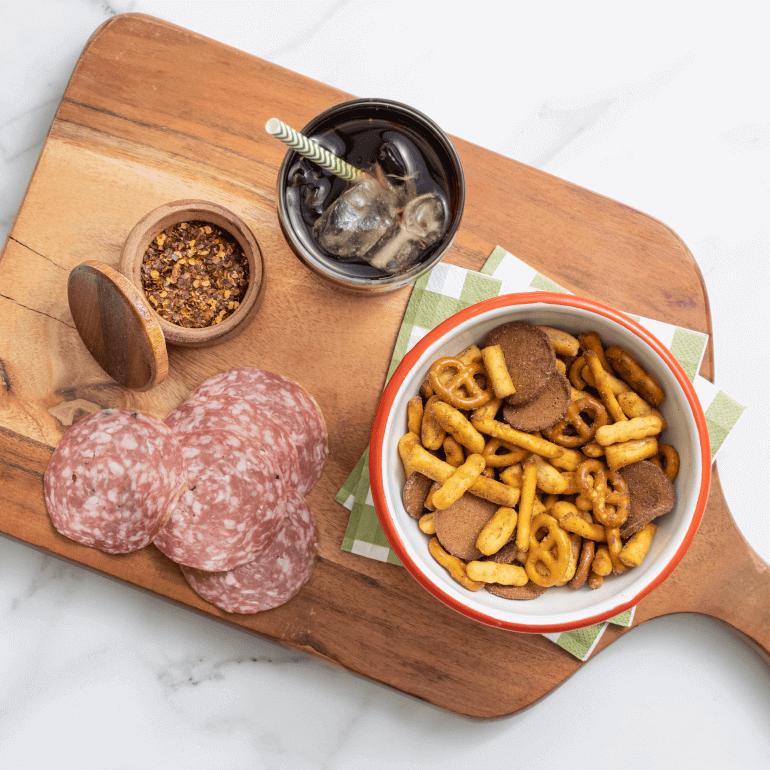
(233, 506)
(114, 480)
(224, 412)
(288, 403)
(273, 577)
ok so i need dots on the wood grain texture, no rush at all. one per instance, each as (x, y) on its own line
(173, 213)
(153, 114)
(117, 326)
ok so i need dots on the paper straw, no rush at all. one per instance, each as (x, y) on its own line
(313, 151)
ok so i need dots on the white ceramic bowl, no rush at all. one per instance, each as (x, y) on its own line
(558, 609)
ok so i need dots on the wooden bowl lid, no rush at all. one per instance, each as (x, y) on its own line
(117, 326)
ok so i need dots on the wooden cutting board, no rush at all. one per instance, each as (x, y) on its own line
(155, 113)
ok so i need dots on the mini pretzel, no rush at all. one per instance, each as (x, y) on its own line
(583, 431)
(575, 370)
(511, 457)
(633, 374)
(615, 546)
(543, 568)
(575, 541)
(611, 506)
(657, 462)
(671, 457)
(463, 380)
(576, 395)
(584, 565)
(582, 503)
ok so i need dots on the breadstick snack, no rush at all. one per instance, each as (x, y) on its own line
(494, 361)
(561, 506)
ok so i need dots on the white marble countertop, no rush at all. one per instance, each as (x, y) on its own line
(662, 106)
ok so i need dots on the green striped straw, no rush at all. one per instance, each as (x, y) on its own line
(313, 151)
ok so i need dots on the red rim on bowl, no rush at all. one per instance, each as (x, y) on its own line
(385, 408)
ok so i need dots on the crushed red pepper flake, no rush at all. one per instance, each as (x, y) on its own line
(194, 274)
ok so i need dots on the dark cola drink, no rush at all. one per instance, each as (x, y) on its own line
(384, 224)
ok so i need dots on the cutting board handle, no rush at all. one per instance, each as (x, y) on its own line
(721, 576)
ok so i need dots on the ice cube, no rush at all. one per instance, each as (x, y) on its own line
(426, 217)
(314, 195)
(391, 160)
(423, 221)
(359, 218)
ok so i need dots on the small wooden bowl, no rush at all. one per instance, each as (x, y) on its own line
(170, 214)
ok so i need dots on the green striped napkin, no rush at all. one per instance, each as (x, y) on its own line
(448, 289)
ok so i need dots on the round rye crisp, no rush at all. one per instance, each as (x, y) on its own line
(233, 506)
(459, 525)
(275, 576)
(288, 403)
(114, 479)
(415, 493)
(651, 492)
(222, 412)
(528, 355)
(522, 593)
(545, 409)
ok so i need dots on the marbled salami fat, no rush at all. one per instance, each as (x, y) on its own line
(114, 479)
(232, 507)
(273, 577)
(222, 412)
(288, 403)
